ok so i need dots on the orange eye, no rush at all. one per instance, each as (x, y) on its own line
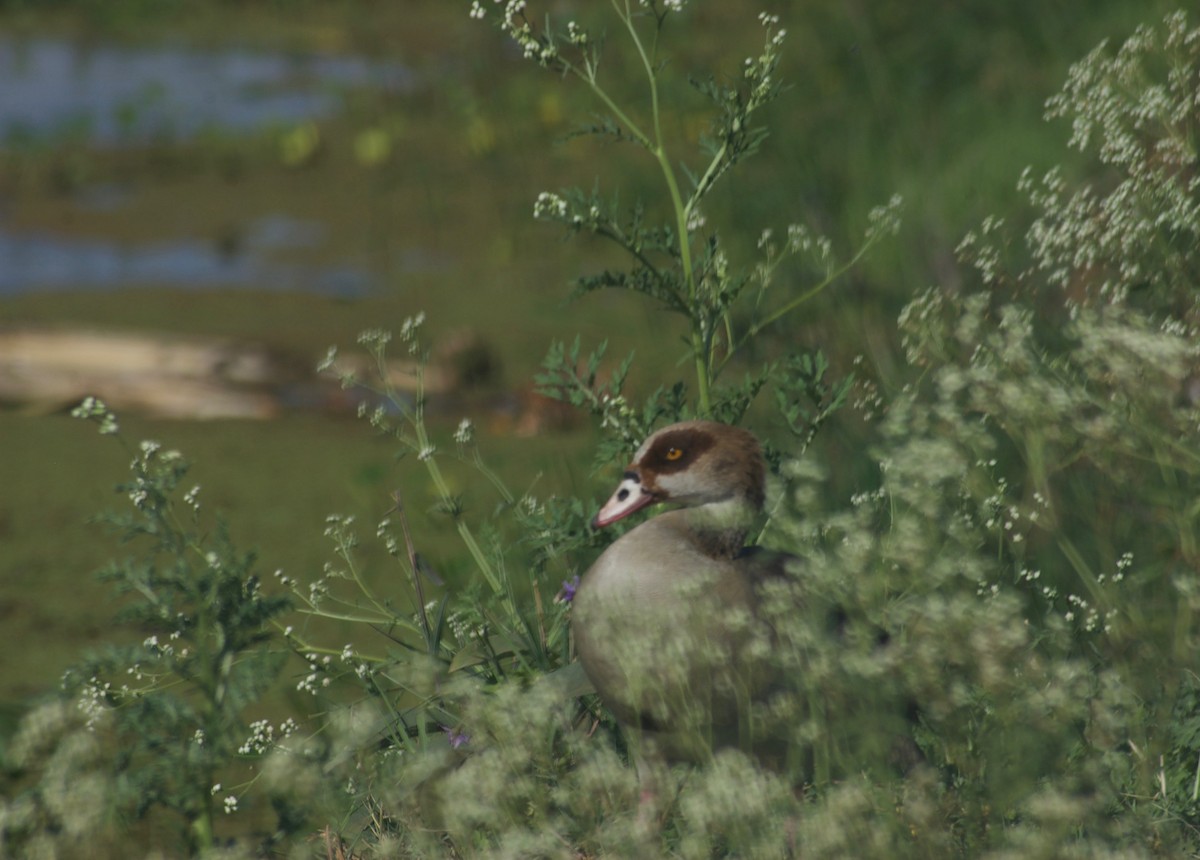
(674, 454)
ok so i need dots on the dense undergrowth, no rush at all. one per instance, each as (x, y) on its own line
(1028, 551)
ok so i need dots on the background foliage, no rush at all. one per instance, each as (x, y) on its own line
(1023, 527)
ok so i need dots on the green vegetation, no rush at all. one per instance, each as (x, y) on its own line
(1001, 500)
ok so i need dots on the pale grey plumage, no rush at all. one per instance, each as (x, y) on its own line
(665, 621)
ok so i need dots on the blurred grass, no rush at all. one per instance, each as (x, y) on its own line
(274, 483)
(940, 102)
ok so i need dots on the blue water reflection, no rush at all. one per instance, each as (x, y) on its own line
(112, 96)
(43, 262)
(116, 94)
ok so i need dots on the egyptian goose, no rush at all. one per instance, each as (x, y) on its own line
(665, 620)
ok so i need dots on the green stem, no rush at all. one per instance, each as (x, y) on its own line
(801, 299)
(709, 177)
(443, 489)
(303, 648)
(464, 531)
(495, 479)
(424, 449)
(202, 826)
(344, 550)
(699, 340)
(754, 330)
(700, 344)
(381, 621)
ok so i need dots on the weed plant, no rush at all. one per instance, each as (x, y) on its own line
(155, 729)
(1021, 578)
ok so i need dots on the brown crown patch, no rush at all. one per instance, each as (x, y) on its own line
(677, 451)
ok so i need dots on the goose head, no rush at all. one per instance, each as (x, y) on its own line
(713, 469)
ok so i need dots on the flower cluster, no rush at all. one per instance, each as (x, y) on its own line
(1142, 124)
(93, 409)
(465, 432)
(466, 626)
(263, 736)
(549, 206)
(95, 698)
(383, 531)
(760, 70)
(884, 220)
(230, 803)
(410, 327)
(375, 339)
(191, 498)
(319, 674)
(514, 23)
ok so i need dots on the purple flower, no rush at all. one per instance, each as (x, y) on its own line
(570, 586)
(457, 738)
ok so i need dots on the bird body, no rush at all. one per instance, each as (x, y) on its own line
(665, 621)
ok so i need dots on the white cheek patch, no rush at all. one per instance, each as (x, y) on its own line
(629, 496)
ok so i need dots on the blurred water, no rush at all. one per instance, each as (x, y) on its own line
(45, 262)
(114, 94)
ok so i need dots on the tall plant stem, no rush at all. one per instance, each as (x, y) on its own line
(658, 150)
